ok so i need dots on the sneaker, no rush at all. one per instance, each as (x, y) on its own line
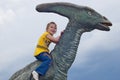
(35, 75)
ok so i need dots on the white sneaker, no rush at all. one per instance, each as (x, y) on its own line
(35, 75)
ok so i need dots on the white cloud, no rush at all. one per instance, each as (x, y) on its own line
(16, 1)
(6, 16)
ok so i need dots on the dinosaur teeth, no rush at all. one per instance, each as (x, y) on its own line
(104, 25)
(107, 23)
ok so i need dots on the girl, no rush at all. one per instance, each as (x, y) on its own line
(42, 51)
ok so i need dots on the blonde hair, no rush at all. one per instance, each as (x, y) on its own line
(49, 25)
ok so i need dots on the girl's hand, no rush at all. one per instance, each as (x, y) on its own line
(62, 32)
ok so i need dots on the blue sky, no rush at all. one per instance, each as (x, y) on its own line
(21, 25)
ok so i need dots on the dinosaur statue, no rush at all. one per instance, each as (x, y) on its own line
(81, 19)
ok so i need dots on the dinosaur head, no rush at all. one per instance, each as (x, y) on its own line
(90, 19)
(81, 15)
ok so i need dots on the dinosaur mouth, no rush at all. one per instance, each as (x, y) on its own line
(105, 26)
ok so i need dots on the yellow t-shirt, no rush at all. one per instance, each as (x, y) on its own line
(43, 44)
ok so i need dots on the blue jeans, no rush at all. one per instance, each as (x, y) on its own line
(46, 60)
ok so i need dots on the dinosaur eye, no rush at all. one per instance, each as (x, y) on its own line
(89, 13)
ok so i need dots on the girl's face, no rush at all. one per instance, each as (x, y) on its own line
(52, 29)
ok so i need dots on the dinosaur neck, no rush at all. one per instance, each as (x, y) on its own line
(70, 40)
(66, 49)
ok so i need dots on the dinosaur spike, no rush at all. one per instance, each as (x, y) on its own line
(62, 8)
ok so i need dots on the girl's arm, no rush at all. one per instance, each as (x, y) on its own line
(53, 39)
